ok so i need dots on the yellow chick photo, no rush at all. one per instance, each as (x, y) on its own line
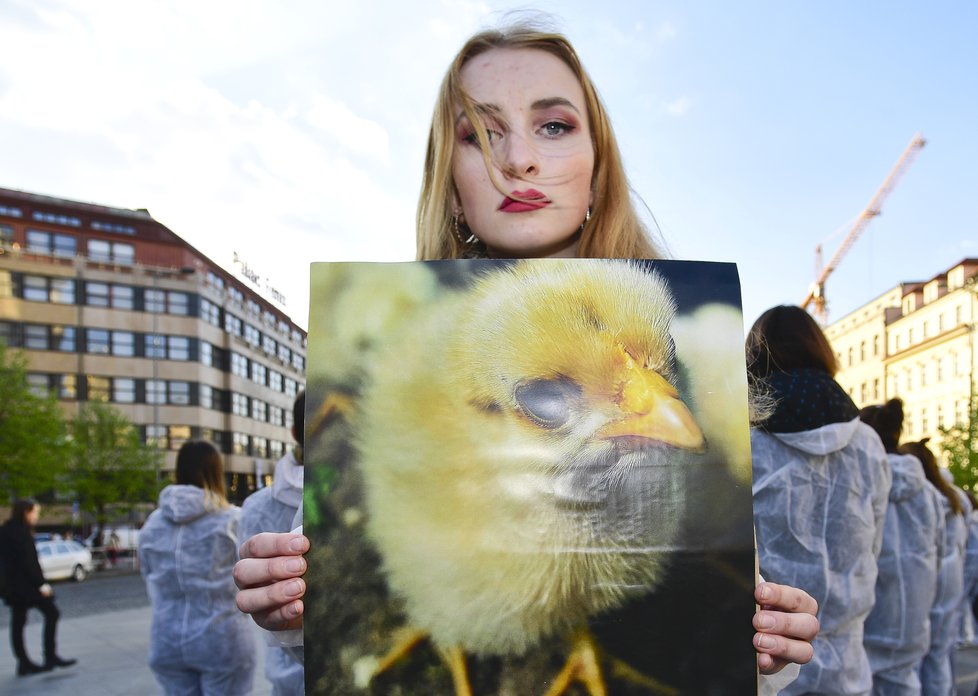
(528, 477)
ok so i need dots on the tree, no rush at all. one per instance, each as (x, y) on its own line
(959, 444)
(109, 464)
(32, 432)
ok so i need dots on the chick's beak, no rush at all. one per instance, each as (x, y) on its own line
(652, 410)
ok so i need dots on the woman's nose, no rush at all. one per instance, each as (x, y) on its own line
(521, 159)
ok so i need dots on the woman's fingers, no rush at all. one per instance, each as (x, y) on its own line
(272, 544)
(268, 579)
(786, 626)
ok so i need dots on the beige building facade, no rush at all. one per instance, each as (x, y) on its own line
(109, 305)
(916, 342)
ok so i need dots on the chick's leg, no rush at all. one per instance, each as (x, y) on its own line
(582, 665)
(455, 659)
(408, 640)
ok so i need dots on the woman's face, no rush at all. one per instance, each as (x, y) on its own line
(540, 141)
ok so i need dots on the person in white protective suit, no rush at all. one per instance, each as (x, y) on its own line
(821, 482)
(897, 631)
(272, 509)
(937, 669)
(199, 642)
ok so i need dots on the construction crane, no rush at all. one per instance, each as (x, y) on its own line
(816, 294)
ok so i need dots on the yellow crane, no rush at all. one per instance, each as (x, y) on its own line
(816, 294)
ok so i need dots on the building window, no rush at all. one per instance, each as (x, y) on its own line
(51, 243)
(206, 354)
(940, 369)
(97, 294)
(98, 388)
(206, 396)
(123, 344)
(10, 211)
(862, 351)
(154, 346)
(67, 387)
(178, 434)
(179, 347)
(239, 404)
(276, 450)
(113, 227)
(957, 315)
(924, 331)
(97, 341)
(239, 365)
(275, 380)
(210, 312)
(38, 384)
(156, 436)
(923, 420)
(940, 323)
(276, 416)
(259, 446)
(63, 338)
(259, 374)
(237, 297)
(923, 375)
(910, 336)
(155, 391)
(284, 354)
(259, 410)
(876, 388)
(123, 297)
(36, 337)
(268, 344)
(56, 219)
(124, 390)
(940, 415)
(6, 284)
(179, 393)
(239, 443)
(876, 345)
(104, 251)
(232, 324)
(154, 301)
(251, 335)
(42, 289)
(863, 392)
(289, 418)
(215, 280)
(909, 380)
(291, 387)
(178, 303)
(253, 307)
(298, 362)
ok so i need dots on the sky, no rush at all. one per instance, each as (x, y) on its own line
(291, 132)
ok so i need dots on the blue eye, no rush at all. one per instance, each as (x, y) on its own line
(491, 136)
(555, 129)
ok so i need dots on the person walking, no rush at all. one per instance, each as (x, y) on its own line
(200, 644)
(25, 587)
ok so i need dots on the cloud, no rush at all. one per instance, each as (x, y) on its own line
(666, 31)
(678, 107)
(355, 132)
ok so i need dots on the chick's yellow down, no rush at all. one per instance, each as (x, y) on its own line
(520, 444)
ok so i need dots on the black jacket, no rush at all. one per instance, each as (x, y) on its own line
(18, 562)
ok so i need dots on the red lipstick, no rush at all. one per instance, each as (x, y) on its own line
(531, 199)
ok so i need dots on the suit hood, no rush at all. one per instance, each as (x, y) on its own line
(908, 476)
(182, 504)
(824, 440)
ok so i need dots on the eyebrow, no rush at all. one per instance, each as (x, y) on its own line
(539, 105)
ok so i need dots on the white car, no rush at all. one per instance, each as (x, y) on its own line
(64, 559)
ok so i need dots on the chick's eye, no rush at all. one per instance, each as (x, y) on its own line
(547, 401)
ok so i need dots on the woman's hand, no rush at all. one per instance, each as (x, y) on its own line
(269, 579)
(785, 624)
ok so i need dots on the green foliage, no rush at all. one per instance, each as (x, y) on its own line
(33, 448)
(959, 444)
(109, 463)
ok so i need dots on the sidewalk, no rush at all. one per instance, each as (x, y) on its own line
(111, 650)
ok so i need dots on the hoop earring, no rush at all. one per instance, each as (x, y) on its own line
(587, 217)
(472, 239)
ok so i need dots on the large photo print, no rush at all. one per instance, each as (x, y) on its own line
(528, 477)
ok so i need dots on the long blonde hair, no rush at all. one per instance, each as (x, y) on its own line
(614, 229)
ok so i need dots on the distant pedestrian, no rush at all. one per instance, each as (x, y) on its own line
(897, 632)
(199, 642)
(821, 482)
(25, 587)
(113, 547)
(272, 509)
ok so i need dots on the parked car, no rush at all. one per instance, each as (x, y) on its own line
(64, 559)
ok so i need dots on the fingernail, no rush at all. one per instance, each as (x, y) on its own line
(295, 565)
(293, 589)
(765, 592)
(297, 544)
(764, 641)
(765, 621)
(294, 609)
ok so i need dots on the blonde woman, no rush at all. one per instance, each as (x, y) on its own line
(199, 642)
(521, 163)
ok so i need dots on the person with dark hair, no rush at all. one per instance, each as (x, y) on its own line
(821, 482)
(271, 509)
(897, 632)
(25, 587)
(199, 642)
(947, 613)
